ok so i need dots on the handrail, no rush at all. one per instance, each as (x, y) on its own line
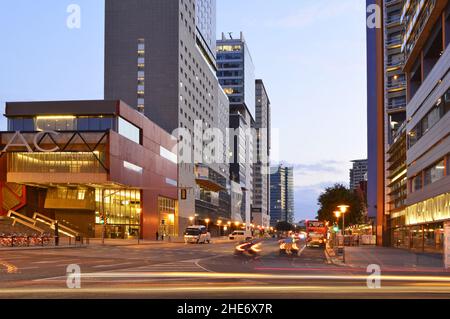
(51, 222)
(21, 219)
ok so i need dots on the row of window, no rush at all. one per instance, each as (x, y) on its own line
(430, 175)
(73, 123)
(433, 116)
(61, 123)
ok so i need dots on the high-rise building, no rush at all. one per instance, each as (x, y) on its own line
(358, 173)
(408, 183)
(261, 168)
(160, 58)
(236, 75)
(376, 120)
(281, 195)
(426, 38)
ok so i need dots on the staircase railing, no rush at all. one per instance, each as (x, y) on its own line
(51, 223)
(24, 220)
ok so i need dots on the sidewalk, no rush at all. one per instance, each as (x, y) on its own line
(389, 258)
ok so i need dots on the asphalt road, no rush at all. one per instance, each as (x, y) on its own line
(200, 271)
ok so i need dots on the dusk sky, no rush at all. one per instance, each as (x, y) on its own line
(310, 54)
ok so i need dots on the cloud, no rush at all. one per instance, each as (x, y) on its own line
(313, 12)
(305, 197)
(322, 172)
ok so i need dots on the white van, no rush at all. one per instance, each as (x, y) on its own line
(197, 235)
(240, 235)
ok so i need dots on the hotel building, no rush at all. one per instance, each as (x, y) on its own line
(99, 166)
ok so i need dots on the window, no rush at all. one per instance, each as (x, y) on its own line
(434, 173)
(168, 155)
(21, 124)
(417, 183)
(132, 167)
(129, 131)
(56, 123)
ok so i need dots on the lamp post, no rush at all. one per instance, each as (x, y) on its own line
(229, 227)
(343, 209)
(191, 219)
(207, 223)
(219, 223)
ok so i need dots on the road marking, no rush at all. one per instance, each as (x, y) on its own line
(111, 265)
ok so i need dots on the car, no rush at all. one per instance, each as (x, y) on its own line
(316, 240)
(283, 244)
(239, 235)
(197, 235)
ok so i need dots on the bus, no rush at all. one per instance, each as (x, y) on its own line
(316, 233)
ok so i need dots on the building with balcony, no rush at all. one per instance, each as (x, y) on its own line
(358, 173)
(98, 165)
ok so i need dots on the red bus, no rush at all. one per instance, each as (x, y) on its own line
(316, 233)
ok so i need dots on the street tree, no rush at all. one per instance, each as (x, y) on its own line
(340, 195)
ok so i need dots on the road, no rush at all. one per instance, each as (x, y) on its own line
(175, 270)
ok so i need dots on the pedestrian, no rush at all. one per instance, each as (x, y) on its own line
(157, 236)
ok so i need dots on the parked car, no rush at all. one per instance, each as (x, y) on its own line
(240, 235)
(197, 235)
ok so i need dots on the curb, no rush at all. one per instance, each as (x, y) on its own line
(41, 248)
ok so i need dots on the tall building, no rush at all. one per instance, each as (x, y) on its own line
(261, 169)
(236, 75)
(409, 186)
(358, 173)
(375, 123)
(282, 195)
(427, 61)
(160, 58)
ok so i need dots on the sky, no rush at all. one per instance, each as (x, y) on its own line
(310, 53)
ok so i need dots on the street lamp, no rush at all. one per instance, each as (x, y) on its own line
(207, 223)
(191, 219)
(343, 209)
(219, 223)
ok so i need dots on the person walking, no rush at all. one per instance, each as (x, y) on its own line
(157, 236)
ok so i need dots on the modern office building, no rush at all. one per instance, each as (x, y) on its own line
(281, 195)
(413, 155)
(160, 58)
(261, 168)
(427, 62)
(236, 75)
(99, 166)
(358, 173)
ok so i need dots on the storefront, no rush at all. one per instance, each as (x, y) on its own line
(100, 166)
(420, 227)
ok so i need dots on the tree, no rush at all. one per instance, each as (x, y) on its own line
(284, 226)
(340, 195)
